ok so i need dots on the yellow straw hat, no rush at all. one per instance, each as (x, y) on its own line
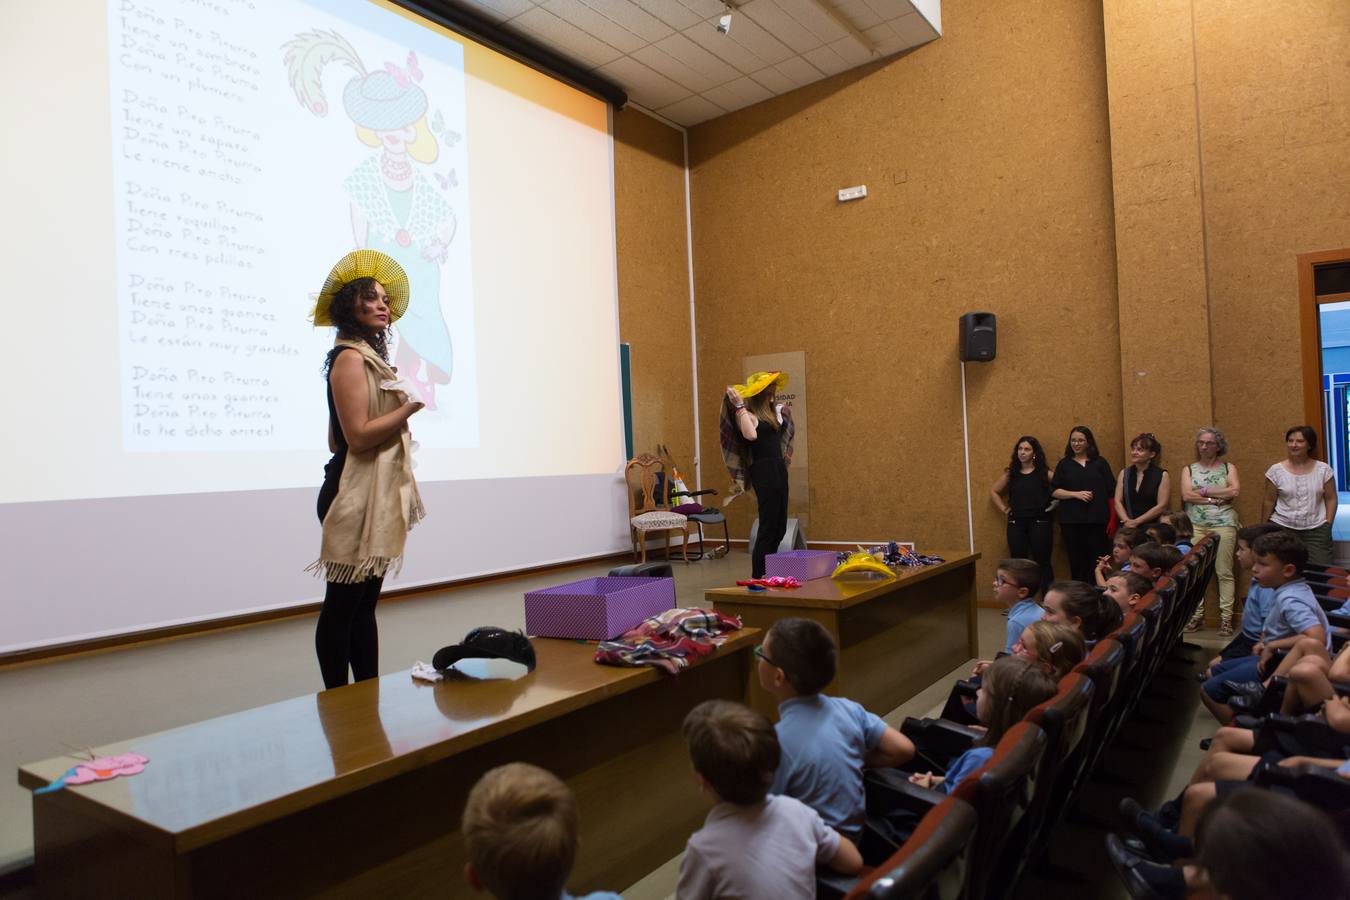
(863, 562)
(364, 264)
(758, 381)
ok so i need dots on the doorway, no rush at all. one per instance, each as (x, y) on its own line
(1324, 295)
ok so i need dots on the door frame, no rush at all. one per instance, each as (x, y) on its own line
(1310, 326)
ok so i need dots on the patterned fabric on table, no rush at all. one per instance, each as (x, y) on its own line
(655, 519)
(669, 641)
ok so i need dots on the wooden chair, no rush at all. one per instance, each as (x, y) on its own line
(647, 511)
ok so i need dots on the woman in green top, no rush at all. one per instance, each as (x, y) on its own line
(1208, 488)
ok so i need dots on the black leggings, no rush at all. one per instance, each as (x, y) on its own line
(769, 477)
(347, 635)
(1084, 544)
(1030, 538)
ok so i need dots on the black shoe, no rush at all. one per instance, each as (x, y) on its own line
(1143, 879)
(1205, 742)
(1158, 842)
(1250, 691)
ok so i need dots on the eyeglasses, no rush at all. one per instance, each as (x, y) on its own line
(759, 652)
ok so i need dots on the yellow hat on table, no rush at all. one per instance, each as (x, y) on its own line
(364, 264)
(758, 381)
(863, 562)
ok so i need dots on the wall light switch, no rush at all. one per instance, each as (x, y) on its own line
(852, 193)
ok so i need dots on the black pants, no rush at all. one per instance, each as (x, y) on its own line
(1031, 538)
(346, 635)
(1084, 544)
(769, 478)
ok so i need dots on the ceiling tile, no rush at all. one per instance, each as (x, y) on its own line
(692, 110)
(595, 24)
(770, 15)
(752, 36)
(853, 52)
(565, 36)
(673, 14)
(914, 30)
(647, 87)
(738, 93)
(633, 17)
(815, 20)
(725, 49)
(857, 13)
(695, 57)
(703, 8)
(799, 71)
(774, 80)
(826, 60)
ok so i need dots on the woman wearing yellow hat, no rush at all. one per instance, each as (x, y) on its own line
(369, 500)
(757, 440)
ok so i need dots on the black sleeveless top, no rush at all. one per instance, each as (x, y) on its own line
(768, 443)
(1143, 498)
(332, 472)
(1028, 495)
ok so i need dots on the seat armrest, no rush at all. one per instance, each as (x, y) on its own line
(938, 741)
(1317, 785)
(889, 791)
(1339, 619)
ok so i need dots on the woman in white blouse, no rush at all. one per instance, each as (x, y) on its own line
(1301, 493)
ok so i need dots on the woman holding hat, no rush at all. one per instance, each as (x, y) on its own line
(369, 500)
(757, 440)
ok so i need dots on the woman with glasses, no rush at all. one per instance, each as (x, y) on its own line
(1084, 484)
(1208, 488)
(1143, 489)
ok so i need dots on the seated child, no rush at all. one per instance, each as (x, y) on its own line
(752, 844)
(1251, 844)
(1257, 604)
(1015, 586)
(1011, 687)
(1153, 560)
(1162, 533)
(1278, 559)
(1122, 543)
(1127, 589)
(1181, 524)
(520, 832)
(1055, 647)
(1312, 679)
(826, 741)
(1082, 607)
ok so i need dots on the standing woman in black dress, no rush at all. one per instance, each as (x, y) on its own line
(1026, 484)
(766, 428)
(1144, 489)
(369, 500)
(1085, 486)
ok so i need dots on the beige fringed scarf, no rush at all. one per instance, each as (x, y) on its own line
(377, 502)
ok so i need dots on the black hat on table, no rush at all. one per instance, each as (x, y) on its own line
(488, 642)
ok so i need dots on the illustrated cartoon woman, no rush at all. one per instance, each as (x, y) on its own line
(395, 208)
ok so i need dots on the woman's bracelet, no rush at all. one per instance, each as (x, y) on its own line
(739, 408)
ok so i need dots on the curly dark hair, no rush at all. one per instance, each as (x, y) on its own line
(1039, 465)
(343, 313)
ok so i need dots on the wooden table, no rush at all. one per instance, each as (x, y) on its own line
(895, 636)
(357, 792)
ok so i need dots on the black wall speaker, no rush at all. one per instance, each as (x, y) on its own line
(979, 336)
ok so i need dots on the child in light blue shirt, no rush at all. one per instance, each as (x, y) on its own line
(826, 742)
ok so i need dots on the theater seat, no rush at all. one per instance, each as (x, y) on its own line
(933, 863)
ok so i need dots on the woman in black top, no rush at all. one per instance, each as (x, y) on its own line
(758, 418)
(1026, 483)
(1144, 488)
(1085, 485)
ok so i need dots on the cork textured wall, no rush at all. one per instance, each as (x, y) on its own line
(1230, 132)
(987, 163)
(654, 282)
